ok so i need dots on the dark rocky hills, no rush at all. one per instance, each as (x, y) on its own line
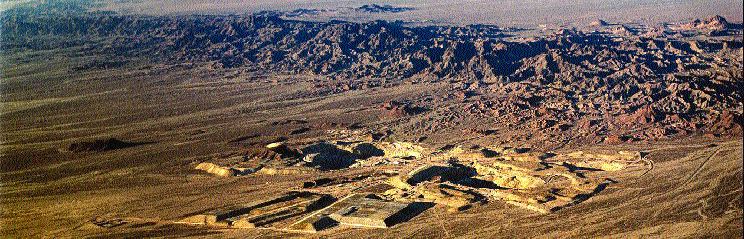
(601, 84)
(374, 8)
(272, 125)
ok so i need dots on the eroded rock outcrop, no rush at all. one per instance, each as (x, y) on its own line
(613, 83)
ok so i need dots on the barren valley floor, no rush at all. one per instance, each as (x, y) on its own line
(691, 187)
(269, 125)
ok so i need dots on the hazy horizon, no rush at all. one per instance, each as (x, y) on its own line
(503, 12)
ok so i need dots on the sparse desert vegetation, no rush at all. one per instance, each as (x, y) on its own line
(287, 123)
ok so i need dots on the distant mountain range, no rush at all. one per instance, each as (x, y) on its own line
(670, 83)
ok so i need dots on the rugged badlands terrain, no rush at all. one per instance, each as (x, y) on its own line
(125, 125)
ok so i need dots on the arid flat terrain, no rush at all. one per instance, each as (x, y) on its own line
(501, 12)
(288, 123)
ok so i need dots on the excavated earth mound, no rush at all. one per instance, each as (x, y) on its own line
(454, 177)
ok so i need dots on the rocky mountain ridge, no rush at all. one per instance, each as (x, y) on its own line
(626, 86)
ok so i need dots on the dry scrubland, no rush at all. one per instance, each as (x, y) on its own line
(260, 126)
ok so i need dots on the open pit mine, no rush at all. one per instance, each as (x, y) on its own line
(343, 122)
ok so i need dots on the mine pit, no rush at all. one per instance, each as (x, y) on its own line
(274, 158)
(309, 212)
(273, 213)
(358, 210)
(328, 156)
(454, 178)
(432, 119)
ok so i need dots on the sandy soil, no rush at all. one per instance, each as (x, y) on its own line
(189, 114)
(122, 126)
